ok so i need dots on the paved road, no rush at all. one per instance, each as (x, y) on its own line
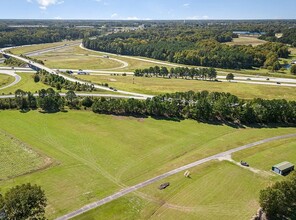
(72, 79)
(167, 174)
(17, 78)
(88, 95)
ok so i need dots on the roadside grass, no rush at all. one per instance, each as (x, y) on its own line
(216, 190)
(59, 60)
(265, 156)
(97, 155)
(5, 80)
(35, 47)
(156, 86)
(26, 84)
(17, 158)
(243, 40)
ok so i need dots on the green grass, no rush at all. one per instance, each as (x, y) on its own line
(5, 80)
(26, 49)
(17, 158)
(155, 86)
(26, 84)
(216, 190)
(97, 155)
(243, 40)
(59, 60)
(267, 155)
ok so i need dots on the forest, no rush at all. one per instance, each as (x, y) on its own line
(191, 46)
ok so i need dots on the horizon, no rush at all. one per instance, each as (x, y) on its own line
(152, 10)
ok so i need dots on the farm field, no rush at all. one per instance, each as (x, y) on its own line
(246, 40)
(267, 155)
(5, 80)
(113, 152)
(31, 48)
(157, 86)
(216, 190)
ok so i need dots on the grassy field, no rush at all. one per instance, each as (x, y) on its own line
(216, 190)
(243, 40)
(59, 60)
(157, 86)
(26, 84)
(5, 80)
(26, 49)
(267, 155)
(17, 159)
(97, 155)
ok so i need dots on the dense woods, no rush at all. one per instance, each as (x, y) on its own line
(25, 36)
(199, 47)
(289, 37)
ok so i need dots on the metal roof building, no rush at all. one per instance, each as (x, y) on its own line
(283, 168)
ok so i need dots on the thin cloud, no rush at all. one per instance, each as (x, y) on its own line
(43, 4)
(186, 5)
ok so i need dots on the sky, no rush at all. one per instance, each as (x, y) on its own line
(148, 9)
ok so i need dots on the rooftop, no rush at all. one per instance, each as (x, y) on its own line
(284, 165)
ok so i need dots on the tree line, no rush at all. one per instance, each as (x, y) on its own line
(60, 82)
(200, 106)
(25, 36)
(178, 72)
(288, 36)
(203, 106)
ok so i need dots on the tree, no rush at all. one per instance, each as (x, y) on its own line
(21, 99)
(230, 76)
(87, 102)
(25, 202)
(36, 78)
(293, 69)
(71, 98)
(279, 201)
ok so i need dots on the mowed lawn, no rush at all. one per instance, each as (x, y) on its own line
(16, 158)
(72, 61)
(155, 86)
(267, 155)
(26, 84)
(5, 80)
(97, 155)
(216, 190)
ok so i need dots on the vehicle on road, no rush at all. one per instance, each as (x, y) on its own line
(244, 163)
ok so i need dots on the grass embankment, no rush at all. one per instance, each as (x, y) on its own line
(36, 47)
(155, 86)
(5, 80)
(26, 84)
(98, 154)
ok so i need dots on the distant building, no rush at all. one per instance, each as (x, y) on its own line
(283, 168)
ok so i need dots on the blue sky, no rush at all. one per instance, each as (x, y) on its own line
(148, 9)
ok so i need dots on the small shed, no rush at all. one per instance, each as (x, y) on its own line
(283, 168)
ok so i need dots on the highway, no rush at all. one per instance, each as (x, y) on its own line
(88, 95)
(17, 78)
(167, 174)
(40, 66)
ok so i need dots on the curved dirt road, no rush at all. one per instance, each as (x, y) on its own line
(167, 174)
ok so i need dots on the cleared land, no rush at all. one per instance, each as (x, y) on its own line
(204, 196)
(5, 80)
(246, 40)
(17, 158)
(267, 155)
(26, 84)
(157, 86)
(97, 155)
